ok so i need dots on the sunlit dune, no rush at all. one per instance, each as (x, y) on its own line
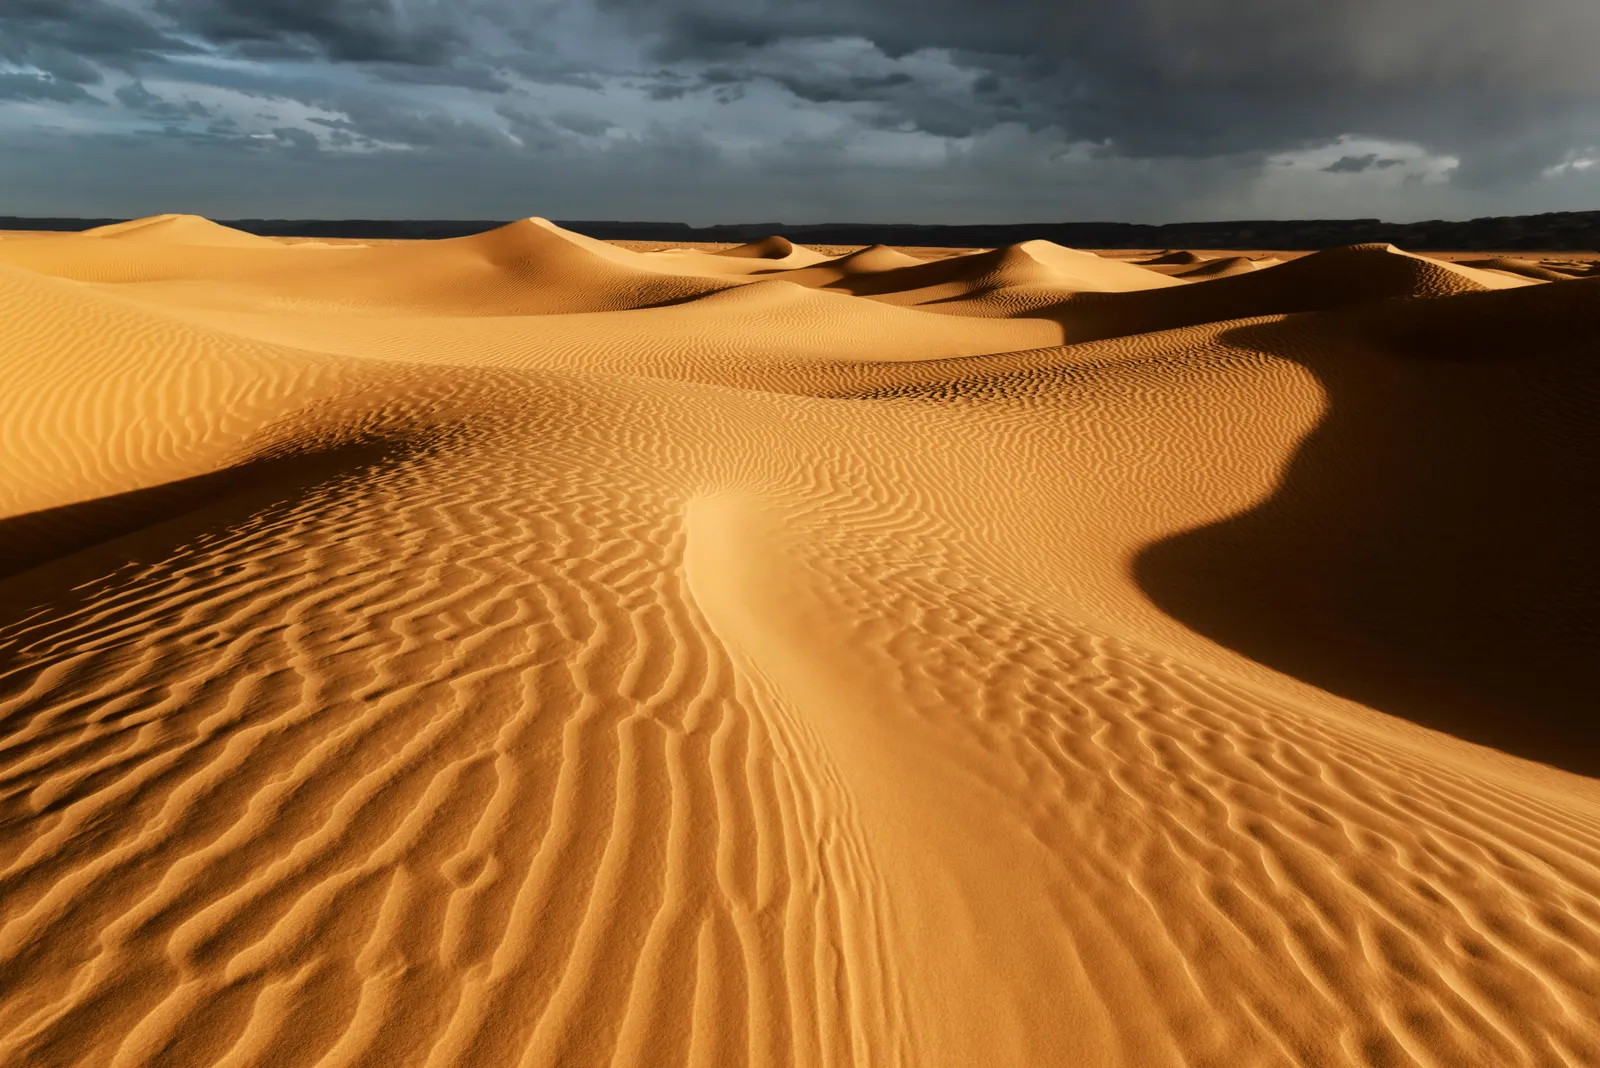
(524, 650)
(1528, 268)
(186, 231)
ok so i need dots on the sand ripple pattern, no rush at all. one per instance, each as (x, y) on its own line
(452, 747)
(690, 667)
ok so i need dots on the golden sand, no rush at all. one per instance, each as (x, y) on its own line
(525, 650)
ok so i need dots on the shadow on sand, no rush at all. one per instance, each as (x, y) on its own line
(1431, 550)
(47, 557)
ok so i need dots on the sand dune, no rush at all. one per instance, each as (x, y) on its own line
(768, 248)
(1179, 258)
(1012, 282)
(520, 650)
(1342, 277)
(1223, 268)
(1525, 268)
(838, 272)
(189, 230)
(103, 395)
(526, 268)
(1369, 569)
(1028, 265)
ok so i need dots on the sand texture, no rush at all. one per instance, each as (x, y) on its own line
(522, 650)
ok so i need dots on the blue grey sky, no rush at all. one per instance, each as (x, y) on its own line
(800, 110)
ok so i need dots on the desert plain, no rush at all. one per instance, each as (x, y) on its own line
(527, 650)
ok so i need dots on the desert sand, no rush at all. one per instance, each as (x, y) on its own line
(527, 650)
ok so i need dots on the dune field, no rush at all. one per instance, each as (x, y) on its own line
(527, 650)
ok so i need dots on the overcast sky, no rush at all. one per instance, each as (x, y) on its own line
(800, 110)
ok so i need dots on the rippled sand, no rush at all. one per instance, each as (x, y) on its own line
(522, 650)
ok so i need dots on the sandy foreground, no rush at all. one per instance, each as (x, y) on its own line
(526, 650)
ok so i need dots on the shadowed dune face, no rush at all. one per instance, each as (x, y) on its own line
(35, 538)
(1357, 274)
(1032, 264)
(523, 651)
(1430, 550)
(1226, 267)
(768, 248)
(1182, 258)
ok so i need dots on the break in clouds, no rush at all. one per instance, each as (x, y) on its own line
(749, 110)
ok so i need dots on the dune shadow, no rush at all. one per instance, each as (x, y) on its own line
(47, 556)
(1429, 551)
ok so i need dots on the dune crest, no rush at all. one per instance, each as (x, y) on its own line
(767, 248)
(180, 230)
(519, 650)
(1226, 266)
(1179, 258)
(1523, 268)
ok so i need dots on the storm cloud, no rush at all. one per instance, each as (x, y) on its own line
(1358, 164)
(1142, 109)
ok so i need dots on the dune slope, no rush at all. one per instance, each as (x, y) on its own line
(1434, 519)
(555, 657)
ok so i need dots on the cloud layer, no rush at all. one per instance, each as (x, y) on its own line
(891, 110)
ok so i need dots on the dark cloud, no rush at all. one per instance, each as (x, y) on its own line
(821, 88)
(473, 46)
(298, 140)
(137, 97)
(69, 38)
(587, 125)
(15, 86)
(371, 121)
(1131, 108)
(530, 130)
(63, 65)
(461, 75)
(1178, 78)
(1149, 78)
(382, 31)
(1358, 164)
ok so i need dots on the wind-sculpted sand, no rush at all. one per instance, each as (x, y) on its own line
(521, 650)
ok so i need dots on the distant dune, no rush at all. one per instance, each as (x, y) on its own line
(1553, 231)
(518, 649)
